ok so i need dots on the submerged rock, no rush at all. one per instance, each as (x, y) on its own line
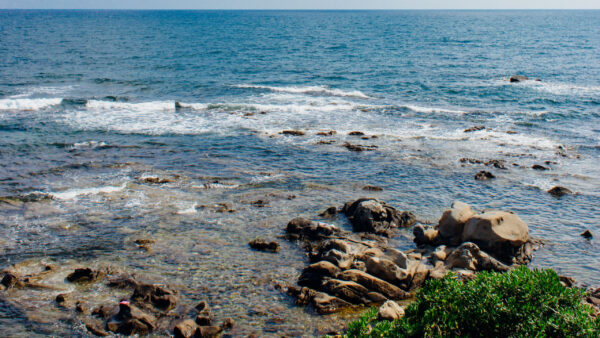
(293, 132)
(11, 281)
(154, 295)
(474, 128)
(559, 191)
(263, 245)
(484, 175)
(84, 275)
(131, 320)
(185, 329)
(538, 167)
(327, 133)
(520, 78)
(356, 133)
(587, 234)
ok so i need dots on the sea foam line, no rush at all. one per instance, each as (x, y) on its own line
(28, 104)
(314, 90)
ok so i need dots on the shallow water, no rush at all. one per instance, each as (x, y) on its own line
(87, 110)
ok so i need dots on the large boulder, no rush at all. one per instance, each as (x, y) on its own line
(374, 216)
(452, 222)
(499, 232)
(326, 304)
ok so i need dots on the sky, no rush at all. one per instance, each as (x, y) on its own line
(301, 4)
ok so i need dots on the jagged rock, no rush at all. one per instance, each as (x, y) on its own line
(452, 222)
(559, 191)
(326, 304)
(373, 283)
(386, 270)
(185, 329)
(155, 295)
(339, 258)
(336, 244)
(390, 310)
(263, 245)
(371, 215)
(469, 256)
(131, 320)
(156, 180)
(303, 295)
(500, 232)
(484, 175)
(84, 275)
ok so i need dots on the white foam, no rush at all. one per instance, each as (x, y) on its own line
(28, 104)
(191, 210)
(311, 90)
(137, 107)
(88, 144)
(429, 110)
(559, 88)
(73, 193)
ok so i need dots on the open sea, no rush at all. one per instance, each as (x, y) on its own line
(93, 103)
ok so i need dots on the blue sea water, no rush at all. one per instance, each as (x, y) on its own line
(88, 110)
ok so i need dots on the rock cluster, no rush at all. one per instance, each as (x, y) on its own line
(356, 268)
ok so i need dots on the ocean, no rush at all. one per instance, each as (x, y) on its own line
(94, 103)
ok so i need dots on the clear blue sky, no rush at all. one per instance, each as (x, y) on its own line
(302, 4)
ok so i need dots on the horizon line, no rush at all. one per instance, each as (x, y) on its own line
(307, 9)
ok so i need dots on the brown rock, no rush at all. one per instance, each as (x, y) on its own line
(356, 133)
(329, 213)
(390, 311)
(156, 295)
(386, 270)
(373, 283)
(484, 175)
(559, 191)
(372, 188)
(228, 323)
(327, 133)
(497, 231)
(425, 235)
(538, 167)
(84, 275)
(263, 245)
(185, 329)
(201, 306)
(326, 304)
(95, 328)
(204, 319)
(131, 320)
(105, 311)
(452, 222)
(293, 132)
(372, 215)
(474, 128)
(208, 331)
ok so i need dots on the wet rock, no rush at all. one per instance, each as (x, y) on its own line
(336, 244)
(354, 147)
(81, 308)
(105, 311)
(559, 191)
(390, 310)
(474, 128)
(260, 203)
(326, 142)
(499, 164)
(372, 188)
(373, 283)
(327, 133)
(208, 331)
(538, 167)
(204, 319)
(330, 212)
(201, 306)
(339, 258)
(326, 304)
(425, 235)
(484, 175)
(228, 323)
(11, 281)
(293, 132)
(95, 328)
(323, 268)
(263, 245)
(519, 78)
(300, 227)
(84, 275)
(303, 295)
(131, 320)
(122, 282)
(144, 243)
(587, 234)
(61, 298)
(499, 232)
(356, 133)
(452, 222)
(156, 295)
(185, 329)
(155, 180)
(372, 215)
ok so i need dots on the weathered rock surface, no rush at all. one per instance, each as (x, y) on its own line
(372, 215)
(559, 191)
(484, 175)
(131, 320)
(84, 275)
(155, 295)
(390, 310)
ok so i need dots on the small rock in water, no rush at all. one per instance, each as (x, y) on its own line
(9, 281)
(84, 275)
(260, 203)
(587, 234)
(356, 133)
(185, 329)
(156, 180)
(390, 310)
(484, 175)
(327, 133)
(559, 191)
(474, 128)
(520, 78)
(201, 306)
(262, 245)
(372, 188)
(228, 323)
(538, 167)
(293, 132)
(329, 213)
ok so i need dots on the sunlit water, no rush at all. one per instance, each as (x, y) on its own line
(87, 111)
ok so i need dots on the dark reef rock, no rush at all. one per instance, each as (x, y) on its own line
(484, 175)
(84, 275)
(559, 191)
(474, 128)
(293, 132)
(263, 245)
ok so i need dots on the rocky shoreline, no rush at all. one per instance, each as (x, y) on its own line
(347, 269)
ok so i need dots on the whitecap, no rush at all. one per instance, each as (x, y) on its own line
(73, 193)
(191, 210)
(28, 104)
(133, 107)
(429, 110)
(311, 90)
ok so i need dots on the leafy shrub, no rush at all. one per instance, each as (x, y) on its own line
(518, 303)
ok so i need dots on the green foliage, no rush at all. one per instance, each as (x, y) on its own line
(519, 303)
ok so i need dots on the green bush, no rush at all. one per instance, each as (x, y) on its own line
(519, 303)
